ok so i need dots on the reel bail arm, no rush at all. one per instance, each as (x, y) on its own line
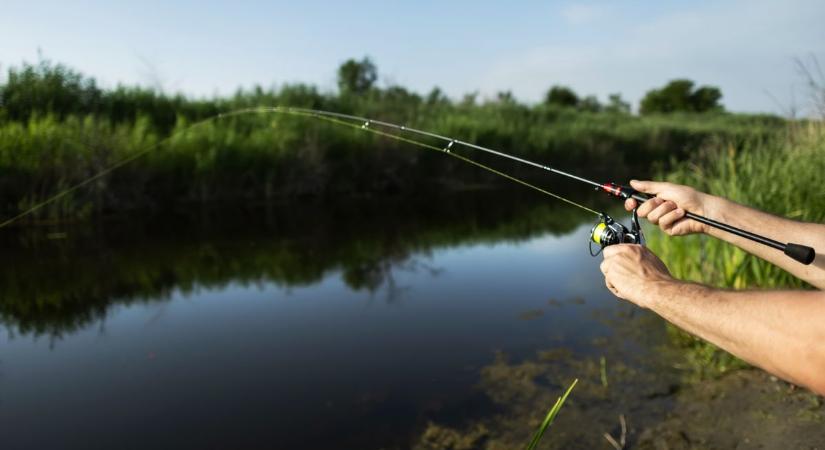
(609, 232)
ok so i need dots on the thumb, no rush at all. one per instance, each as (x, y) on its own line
(649, 187)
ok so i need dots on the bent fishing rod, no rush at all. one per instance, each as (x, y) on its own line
(606, 232)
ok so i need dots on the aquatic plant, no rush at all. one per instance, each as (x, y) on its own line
(550, 417)
(780, 175)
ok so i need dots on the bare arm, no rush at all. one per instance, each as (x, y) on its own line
(672, 200)
(782, 332)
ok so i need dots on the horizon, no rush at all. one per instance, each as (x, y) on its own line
(524, 50)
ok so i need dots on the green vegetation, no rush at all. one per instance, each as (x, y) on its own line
(551, 416)
(57, 127)
(679, 95)
(780, 175)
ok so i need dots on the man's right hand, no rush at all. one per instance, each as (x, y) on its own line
(668, 208)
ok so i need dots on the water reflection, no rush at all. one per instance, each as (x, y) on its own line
(311, 326)
(54, 286)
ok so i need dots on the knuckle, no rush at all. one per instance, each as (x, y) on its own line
(629, 204)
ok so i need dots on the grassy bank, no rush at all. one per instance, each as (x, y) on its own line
(780, 175)
(57, 129)
(269, 156)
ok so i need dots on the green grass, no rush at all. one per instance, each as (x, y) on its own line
(550, 417)
(57, 128)
(781, 175)
(263, 157)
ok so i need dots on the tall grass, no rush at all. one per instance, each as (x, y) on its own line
(782, 175)
(550, 417)
(262, 157)
(57, 128)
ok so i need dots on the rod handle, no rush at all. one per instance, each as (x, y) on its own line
(801, 253)
(798, 252)
(640, 197)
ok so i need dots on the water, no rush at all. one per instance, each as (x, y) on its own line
(355, 325)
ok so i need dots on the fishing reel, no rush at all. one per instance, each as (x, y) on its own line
(609, 232)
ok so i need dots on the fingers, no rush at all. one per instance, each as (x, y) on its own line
(605, 268)
(629, 204)
(660, 211)
(650, 187)
(649, 206)
(610, 251)
(611, 287)
(667, 221)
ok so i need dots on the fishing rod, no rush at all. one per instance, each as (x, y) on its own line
(606, 232)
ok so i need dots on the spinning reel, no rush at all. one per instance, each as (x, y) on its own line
(609, 232)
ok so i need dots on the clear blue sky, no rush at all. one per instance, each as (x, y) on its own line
(597, 47)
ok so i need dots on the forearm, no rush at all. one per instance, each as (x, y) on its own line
(779, 331)
(777, 228)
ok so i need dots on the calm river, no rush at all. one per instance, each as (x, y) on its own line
(381, 324)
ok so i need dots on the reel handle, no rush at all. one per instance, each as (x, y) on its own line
(798, 252)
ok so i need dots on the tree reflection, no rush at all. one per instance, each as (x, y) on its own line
(55, 286)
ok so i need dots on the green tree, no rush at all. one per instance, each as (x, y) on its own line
(706, 98)
(469, 99)
(47, 88)
(561, 96)
(590, 104)
(357, 77)
(616, 105)
(505, 98)
(680, 96)
(437, 97)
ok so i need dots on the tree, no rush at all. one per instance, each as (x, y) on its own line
(357, 77)
(47, 88)
(679, 95)
(616, 105)
(561, 96)
(590, 104)
(505, 98)
(437, 97)
(469, 99)
(706, 98)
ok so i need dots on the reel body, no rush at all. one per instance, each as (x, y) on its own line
(610, 232)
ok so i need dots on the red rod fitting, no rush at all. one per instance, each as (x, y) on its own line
(612, 189)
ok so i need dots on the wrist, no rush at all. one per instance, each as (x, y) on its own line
(658, 292)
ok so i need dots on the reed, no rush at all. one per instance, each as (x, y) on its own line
(550, 417)
(57, 128)
(781, 175)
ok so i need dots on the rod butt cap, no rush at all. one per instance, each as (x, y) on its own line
(801, 253)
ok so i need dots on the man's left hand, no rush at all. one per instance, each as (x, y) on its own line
(632, 271)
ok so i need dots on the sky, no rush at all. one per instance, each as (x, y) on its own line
(206, 48)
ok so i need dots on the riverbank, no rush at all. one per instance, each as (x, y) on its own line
(57, 130)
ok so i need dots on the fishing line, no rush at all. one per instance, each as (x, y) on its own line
(334, 118)
(447, 151)
(103, 172)
(606, 232)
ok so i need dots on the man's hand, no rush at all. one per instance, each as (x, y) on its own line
(668, 208)
(632, 272)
